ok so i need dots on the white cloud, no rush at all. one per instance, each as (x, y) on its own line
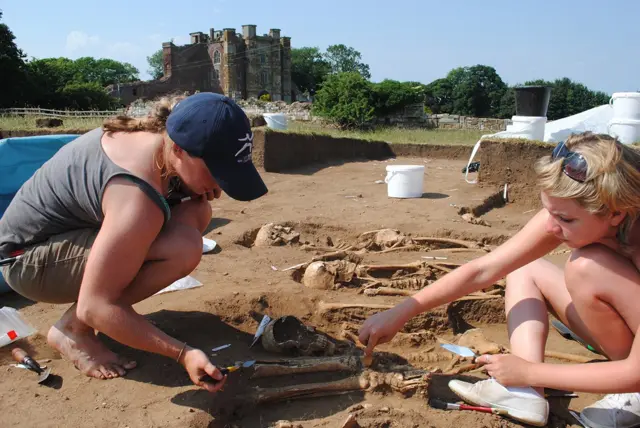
(77, 40)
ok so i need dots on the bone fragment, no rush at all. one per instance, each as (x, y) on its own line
(353, 383)
(307, 365)
(447, 241)
(388, 291)
(346, 334)
(413, 265)
(298, 266)
(326, 307)
(332, 255)
(371, 232)
(460, 250)
(403, 248)
(569, 357)
(351, 422)
(461, 369)
(311, 247)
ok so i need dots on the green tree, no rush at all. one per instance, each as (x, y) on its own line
(64, 83)
(390, 96)
(308, 69)
(507, 107)
(104, 71)
(156, 64)
(345, 99)
(87, 96)
(477, 91)
(12, 83)
(344, 59)
(439, 96)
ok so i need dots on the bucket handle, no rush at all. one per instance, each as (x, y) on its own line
(390, 174)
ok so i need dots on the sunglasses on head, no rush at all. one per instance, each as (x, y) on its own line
(574, 164)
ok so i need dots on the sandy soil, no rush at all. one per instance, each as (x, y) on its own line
(327, 205)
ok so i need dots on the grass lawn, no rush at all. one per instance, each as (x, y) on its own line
(390, 135)
(28, 123)
(396, 135)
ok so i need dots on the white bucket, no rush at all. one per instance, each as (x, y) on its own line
(276, 121)
(625, 130)
(529, 127)
(404, 181)
(626, 105)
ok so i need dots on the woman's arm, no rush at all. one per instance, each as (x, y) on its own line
(131, 224)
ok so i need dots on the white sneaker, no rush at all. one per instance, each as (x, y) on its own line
(522, 404)
(613, 411)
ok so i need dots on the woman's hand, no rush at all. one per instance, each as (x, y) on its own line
(381, 328)
(198, 365)
(507, 369)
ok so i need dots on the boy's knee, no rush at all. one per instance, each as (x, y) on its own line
(522, 275)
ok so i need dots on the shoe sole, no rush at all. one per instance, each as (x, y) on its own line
(590, 424)
(516, 414)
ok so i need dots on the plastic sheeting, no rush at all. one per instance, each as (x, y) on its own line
(595, 120)
(20, 158)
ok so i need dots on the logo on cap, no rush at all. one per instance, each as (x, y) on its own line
(248, 144)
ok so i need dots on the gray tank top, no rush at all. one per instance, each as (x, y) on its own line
(65, 194)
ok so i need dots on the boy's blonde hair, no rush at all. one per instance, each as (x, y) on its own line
(155, 122)
(612, 181)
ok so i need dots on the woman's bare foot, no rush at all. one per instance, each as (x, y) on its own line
(79, 344)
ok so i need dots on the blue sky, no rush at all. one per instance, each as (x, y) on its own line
(587, 40)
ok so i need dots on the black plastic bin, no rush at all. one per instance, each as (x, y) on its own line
(532, 100)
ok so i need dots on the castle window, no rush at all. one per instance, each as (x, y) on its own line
(264, 78)
(263, 59)
(216, 57)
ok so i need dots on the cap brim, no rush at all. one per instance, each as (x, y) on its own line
(241, 181)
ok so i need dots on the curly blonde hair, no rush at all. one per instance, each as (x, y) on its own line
(612, 183)
(155, 122)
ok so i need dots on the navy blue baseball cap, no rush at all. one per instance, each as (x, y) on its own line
(214, 128)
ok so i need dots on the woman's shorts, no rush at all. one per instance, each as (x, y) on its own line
(52, 271)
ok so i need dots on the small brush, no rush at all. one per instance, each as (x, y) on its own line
(439, 404)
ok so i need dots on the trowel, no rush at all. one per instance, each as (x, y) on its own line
(23, 358)
(226, 370)
(463, 351)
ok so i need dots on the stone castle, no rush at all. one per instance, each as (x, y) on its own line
(240, 66)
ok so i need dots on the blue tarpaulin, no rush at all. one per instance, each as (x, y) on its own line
(20, 158)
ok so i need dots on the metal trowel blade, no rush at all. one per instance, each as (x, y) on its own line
(460, 350)
(44, 375)
(248, 364)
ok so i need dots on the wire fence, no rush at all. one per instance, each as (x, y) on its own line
(43, 112)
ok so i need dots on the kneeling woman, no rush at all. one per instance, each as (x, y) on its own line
(95, 228)
(590, 191)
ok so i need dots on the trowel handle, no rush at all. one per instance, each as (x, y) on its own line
(23, 358)
(19, 354)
